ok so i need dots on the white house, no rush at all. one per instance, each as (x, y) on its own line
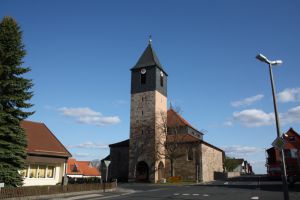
(46, 156)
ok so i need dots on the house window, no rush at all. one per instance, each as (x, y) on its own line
(294, 153)
(143, 79)
(190, 154)
(38, 171)
(50, 171)
(74, 168)
(292, 139)
(33, 171)
(42, 171)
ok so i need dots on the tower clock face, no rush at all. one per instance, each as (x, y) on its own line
(161, 74)
(143, 71)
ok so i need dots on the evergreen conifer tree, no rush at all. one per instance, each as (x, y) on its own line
(14, 96)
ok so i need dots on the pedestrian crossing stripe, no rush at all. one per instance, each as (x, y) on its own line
(187, 194)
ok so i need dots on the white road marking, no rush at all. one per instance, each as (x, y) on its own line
(206, 195)
(84, 196)
(176, 194)
(256, 198)
(226, 183)
(196, 194)
(185, 194)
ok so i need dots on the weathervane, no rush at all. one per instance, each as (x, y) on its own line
(150, 39)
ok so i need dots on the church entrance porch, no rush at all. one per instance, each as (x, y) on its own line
(142, 172)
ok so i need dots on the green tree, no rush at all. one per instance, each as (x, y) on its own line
(14, 96)
(231, 163)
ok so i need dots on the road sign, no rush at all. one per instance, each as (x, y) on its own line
(279, 143)
(107, 162)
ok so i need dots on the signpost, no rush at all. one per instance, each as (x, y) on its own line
(107, 163)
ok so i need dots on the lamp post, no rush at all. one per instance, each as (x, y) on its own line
(283, 174)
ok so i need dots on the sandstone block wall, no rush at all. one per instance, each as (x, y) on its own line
(144, 133)
(212, 161)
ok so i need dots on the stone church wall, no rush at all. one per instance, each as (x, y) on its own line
(212, 161)
(186, 169)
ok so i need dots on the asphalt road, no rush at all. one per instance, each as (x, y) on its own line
(234, 189)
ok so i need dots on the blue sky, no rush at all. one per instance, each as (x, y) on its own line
(80, 53)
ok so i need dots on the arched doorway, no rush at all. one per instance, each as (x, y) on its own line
(161, 171)
(142, 172)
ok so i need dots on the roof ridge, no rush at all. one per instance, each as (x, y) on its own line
(33, 122)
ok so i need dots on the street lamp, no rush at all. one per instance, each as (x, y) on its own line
(283, 174)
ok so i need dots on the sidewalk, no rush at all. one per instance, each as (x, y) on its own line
(71, 195)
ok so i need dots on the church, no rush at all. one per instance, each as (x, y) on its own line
(162, 144)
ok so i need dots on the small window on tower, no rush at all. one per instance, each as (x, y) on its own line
(161, 79)
(143, 79)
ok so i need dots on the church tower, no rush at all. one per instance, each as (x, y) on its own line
(148, 114)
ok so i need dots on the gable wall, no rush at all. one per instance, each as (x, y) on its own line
(212, 161)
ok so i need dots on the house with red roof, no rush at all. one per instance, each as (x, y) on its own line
(47, 157)
(292, 156)
(81, 169)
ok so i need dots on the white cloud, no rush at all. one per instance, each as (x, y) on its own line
(89, 145)
(247, 101)
(254, 118)
(291, 116)
(89, 116)
(289, 95)
(228, 123)
(237, 150)
(257, 118)
(82, 155)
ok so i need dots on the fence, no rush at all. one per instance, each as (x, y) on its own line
(55, 189)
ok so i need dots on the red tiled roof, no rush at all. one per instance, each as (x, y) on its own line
(83, 168)
(174, 119)
(41, 141)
